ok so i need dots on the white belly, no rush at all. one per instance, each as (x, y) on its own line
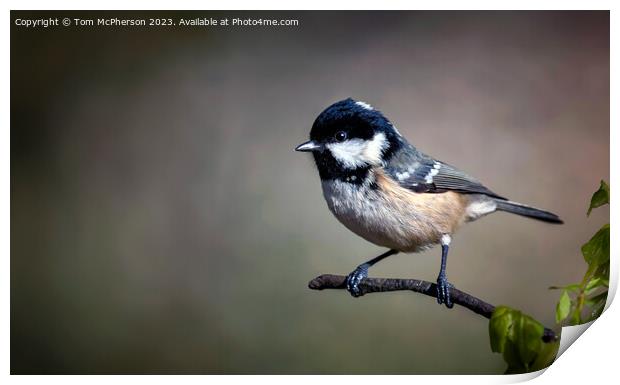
(384, 222)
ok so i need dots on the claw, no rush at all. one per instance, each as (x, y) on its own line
(443, 292)
(355, 278)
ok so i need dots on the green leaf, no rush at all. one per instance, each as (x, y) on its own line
(547, 355)
(499, 328)
(575, 287)
(528, 337)
(596, 250)
(600, 197)
(512, 358)
(517, 336)
(563, 307)
(597, 310)
(596, 283)
(602, 272)
(597, 300)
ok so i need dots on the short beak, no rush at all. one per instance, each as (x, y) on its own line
(309, 146)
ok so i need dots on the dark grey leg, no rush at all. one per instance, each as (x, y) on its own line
(443, 286)
(361, 272)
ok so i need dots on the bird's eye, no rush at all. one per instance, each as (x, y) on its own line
(340, 136)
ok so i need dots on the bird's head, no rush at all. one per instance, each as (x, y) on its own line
(350, 135)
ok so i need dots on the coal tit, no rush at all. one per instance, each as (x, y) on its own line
(383, 189)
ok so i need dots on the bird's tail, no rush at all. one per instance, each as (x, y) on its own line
(527, 211)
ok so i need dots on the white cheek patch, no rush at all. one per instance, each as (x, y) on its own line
(374, 150)
(354, 153)
(349, 152)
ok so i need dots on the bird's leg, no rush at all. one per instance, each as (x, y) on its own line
(443, 286)
(361, 272)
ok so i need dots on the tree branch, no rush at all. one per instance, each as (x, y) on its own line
(377, 285)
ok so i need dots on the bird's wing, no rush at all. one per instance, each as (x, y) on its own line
(427, 175)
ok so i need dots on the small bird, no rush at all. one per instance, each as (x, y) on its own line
(388, 192)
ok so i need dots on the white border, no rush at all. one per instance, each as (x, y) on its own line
(578, 365)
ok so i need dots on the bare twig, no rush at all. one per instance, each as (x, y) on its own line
(377, 285)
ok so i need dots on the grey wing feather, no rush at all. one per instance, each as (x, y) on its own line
(449, 178)
(422, 173)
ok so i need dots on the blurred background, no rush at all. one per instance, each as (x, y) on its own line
(162, 223)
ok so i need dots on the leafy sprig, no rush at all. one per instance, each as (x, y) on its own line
(583, 302)
(519, 337)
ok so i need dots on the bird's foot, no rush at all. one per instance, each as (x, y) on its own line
(355, 278)
(443, 291)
